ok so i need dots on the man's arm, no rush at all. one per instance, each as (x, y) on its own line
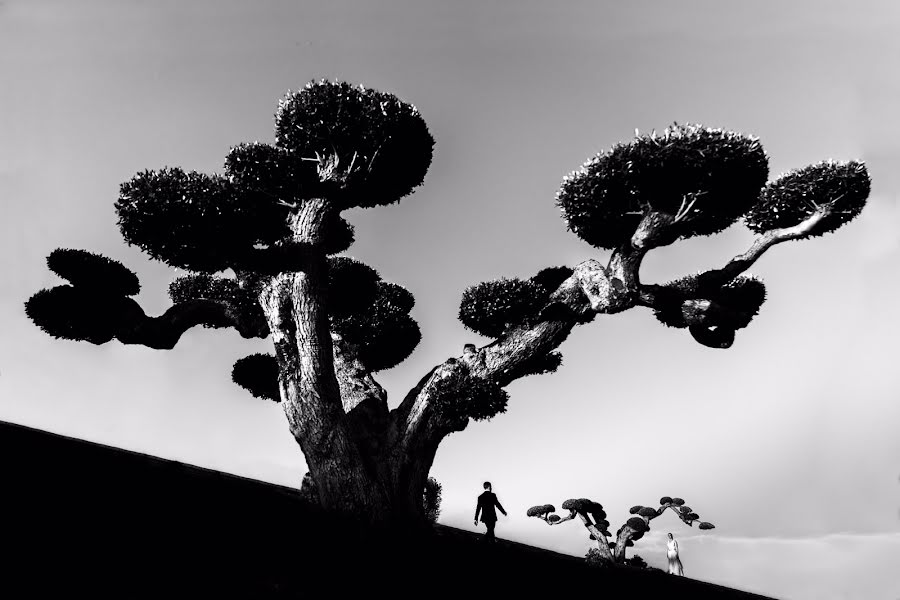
(477, 510)
(497, 504)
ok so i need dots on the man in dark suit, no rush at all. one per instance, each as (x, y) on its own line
(486, 503)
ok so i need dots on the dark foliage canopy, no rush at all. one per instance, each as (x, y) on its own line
(743, 296)
(637, 524)
(349, 145)
(710, 177)
(383, 331)
(492, 308)
(352, 286)
(97, 304)
(369, 146)
(79, 313)
(92, 271)
(187, 219)
(258, 374)
(458, 397)
(541, 509)
(797, 195)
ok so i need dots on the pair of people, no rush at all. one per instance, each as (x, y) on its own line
(488, 501)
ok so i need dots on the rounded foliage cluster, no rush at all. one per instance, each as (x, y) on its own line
(493, 307)
(540, 510)
(841, 187)
(677, 501)
(370, 145)
(709, 177)
(270, 174)
(635, 509)
(352, 286)
(637, 524)
(584, 505)
(648, 512)
(87, 270)
(258, 374)
(705, 525)
(665, 500)
(82, 314)
(185, 219)
(457, 396)
(338, 235)
(743, 297)
(371, 314)
(383, 331)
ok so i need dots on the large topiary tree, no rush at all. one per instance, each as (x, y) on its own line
(611, 549)
(259, 242)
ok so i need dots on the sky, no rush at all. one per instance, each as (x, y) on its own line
(786, 441)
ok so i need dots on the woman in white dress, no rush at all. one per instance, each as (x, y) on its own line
(675, 567)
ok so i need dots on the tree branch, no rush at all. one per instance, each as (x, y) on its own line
(742, 262)
(164, 331)
(649, 294)
(572, 514)
(591, 289)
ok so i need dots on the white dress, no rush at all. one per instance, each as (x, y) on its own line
(675, 567)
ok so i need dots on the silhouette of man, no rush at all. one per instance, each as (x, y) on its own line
(486, 503)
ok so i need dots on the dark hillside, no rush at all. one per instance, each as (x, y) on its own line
(85, 520)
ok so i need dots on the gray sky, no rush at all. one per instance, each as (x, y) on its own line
(787, 441)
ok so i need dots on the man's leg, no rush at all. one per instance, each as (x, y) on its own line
(489, 536)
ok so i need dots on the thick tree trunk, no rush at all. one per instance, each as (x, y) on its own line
(335, 410)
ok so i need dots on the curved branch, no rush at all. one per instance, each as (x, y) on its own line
(699, 308)
(742, 262)
(96, 316)
(591, 289)
(164, 331)
(572, 514)
(649, 295)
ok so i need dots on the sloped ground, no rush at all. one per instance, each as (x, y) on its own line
(85, 520)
